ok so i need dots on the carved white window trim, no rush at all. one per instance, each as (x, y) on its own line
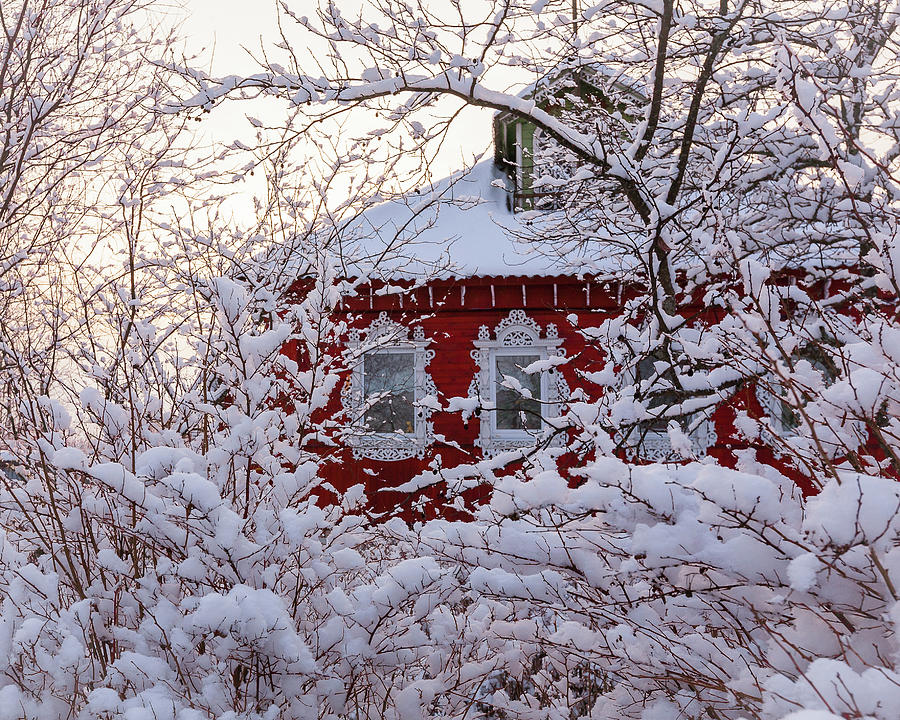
(385, 335)
(655, 444)
(516, 334)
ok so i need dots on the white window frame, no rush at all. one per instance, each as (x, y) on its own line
(386, 336)
(517, 334)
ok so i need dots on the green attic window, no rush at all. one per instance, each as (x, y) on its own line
(514, 154)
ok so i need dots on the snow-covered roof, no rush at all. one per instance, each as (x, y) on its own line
(460, 226)
(591, 72)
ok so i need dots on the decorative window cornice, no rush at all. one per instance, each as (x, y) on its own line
(384, 336)
(517, 335)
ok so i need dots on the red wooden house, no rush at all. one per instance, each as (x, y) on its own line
(440, 344)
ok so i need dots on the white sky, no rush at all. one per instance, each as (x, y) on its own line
(226, 29)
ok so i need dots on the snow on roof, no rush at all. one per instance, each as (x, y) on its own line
(460, 226)
(591, 72)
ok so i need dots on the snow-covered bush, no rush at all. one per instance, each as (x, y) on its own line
(195, 573)
(168, 548)
(733, 157)
(652, 591)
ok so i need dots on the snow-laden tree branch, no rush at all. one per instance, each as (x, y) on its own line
(170, 548)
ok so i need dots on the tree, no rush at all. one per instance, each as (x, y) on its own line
(731, 136)
(160, 497)
(82, 155)
(741, 152)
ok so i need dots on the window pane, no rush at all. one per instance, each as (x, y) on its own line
(510, 403)
(651, 437)
(660, 399)
(389, 385)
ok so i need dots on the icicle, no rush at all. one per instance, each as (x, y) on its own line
(462, 294)
(430, 297)
(493, 299)
(587, 293)
(371, 298)
(524, 297)
(555, 301)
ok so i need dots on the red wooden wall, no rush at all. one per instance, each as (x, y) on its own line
(451, 311)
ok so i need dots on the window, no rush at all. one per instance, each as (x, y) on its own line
(383, 396)
(651, 439)
(389, 386)
(516, 404)
(776, 401)
(517, 394)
